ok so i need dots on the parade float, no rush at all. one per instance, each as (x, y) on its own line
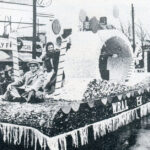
(97, 97)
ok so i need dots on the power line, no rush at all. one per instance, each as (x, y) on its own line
(38, 14)
(25, 27)
(15, 9)
(19, 4)
(45, 16)
(15, 22)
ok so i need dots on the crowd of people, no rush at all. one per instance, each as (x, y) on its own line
(36, 83)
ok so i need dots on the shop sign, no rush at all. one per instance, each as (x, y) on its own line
(5, 44)
(27, 46)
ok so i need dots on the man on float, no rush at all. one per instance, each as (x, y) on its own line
(27, 88)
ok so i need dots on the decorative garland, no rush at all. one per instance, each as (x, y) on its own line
(99, 89)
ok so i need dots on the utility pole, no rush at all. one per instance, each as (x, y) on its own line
(133, 28)
(34, 31)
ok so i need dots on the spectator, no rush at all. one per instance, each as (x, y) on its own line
(3, 83)
(9, 74)
(27, 87)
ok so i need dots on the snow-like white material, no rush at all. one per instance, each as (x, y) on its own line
(114, 123)
(74, 136)
(62, 141)
(83, 135)
(14, 134)
(53, 144)
(82, 61)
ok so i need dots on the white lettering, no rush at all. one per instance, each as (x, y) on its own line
(114, 106)
(139, 100)
(119, 106)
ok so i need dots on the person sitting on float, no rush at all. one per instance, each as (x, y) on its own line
(27, 88)
(49, 87)
(9, 74)
(48, 66)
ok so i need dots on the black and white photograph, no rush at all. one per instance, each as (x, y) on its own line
(74, 75)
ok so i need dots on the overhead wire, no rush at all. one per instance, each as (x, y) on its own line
(24, 4)
(38, 14)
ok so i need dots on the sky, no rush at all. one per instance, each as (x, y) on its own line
(67, 12)
(98, 8)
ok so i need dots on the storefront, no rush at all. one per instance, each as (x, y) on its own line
(5, 52)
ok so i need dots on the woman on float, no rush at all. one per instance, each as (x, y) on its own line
(48, 66)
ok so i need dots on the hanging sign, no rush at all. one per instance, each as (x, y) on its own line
(91, 104)
(115, 11)
(139, 100)
(56, 27)
(94, 24)
(66, 109)
(82, 15)
(128, 94)
(104, 100)
(75, 106)
(119, 97)
(119, 106)
(139, 91)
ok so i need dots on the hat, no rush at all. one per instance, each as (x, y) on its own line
(33, 61)
(7, 68)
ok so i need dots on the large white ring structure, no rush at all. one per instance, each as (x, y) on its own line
(82, 63)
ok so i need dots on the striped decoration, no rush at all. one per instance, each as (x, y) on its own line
(131, 71)
(59, 76)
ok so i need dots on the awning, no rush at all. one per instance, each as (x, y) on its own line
(5, 56)
(26, 57)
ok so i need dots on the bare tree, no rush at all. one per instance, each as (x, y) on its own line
(148, 35)
(141, 34)
(126, 29)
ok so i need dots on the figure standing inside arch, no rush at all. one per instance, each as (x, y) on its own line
(48, 66)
